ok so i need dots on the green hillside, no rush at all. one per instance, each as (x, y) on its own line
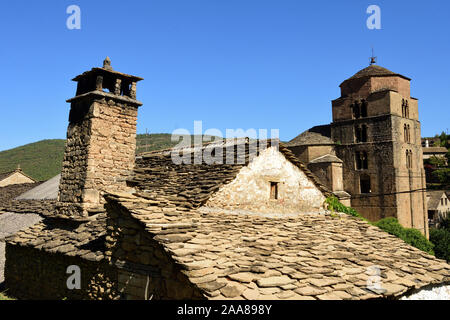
(42, 160)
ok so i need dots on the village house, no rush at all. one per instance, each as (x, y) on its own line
(435, 152)
(148, 228)
(438, 204)
(16, 176)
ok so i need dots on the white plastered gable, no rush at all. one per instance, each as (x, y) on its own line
(251, 189)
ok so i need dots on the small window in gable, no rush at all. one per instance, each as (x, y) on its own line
(274, 190)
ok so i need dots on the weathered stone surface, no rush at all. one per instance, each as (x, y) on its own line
(274, 281)
(243, 277)
(309, 291)
(231, 290)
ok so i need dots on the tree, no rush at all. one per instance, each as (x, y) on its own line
(441, 239)
(437, 161)
(443, 175)
(444, 139)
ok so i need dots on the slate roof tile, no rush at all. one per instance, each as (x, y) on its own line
(307, 259)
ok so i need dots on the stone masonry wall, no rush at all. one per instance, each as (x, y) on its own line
(74, 162)
(99, 154)
(36, 274)
(392, 184)
(412, 210)
(145, 270)
(250, 190)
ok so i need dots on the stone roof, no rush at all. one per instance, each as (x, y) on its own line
(318, 135)
(326, 159)
(310, 256)
(54, 235)
(157, 180)
(342, 195)
(434, 150)
(47, 190)
(374, 71)
(190, 185)
(6, 174)
(45, 208)
(8, 193)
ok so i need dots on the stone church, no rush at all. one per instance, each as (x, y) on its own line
(145, 227)
(370, 156)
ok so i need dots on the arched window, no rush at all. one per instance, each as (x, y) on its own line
(359, 109)
(358, 135)
(363, 133)
(365, 160)
(407, 133)
(361, 160)
(364, 184)
(403, 108)
(364, 108)
(408, 159)
(356, 110)
(358, 162)
(406, 109)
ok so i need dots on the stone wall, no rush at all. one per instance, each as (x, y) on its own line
(38, 274)
(100, 151)
(395, 189)
(365, 86)
(381, 202)
(398, 84)
(412, 206)
(145, 270)
(329, 174)
(250, 190)
(318, 151)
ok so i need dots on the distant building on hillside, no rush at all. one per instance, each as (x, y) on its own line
(438, 152)
(438, 204)
(431, 142)
(15, 177)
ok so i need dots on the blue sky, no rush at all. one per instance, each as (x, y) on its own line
(265, 64)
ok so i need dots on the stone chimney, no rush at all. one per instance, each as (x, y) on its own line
(101, 140)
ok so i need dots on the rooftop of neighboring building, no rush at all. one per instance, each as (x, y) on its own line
(318, 135)
(434, 198)
(5, 175)
(435, 150)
